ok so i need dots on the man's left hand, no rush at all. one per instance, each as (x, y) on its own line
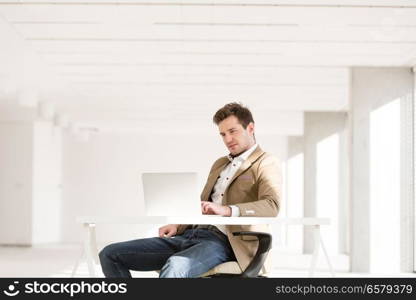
(211, 208)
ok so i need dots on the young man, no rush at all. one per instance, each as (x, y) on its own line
(244, 183)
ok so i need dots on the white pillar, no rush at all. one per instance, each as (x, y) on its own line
(46, 110)
(413, 173)
(373, 88)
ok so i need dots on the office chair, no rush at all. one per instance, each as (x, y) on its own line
(232, 269)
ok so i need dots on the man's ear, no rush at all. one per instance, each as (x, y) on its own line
(250, 127)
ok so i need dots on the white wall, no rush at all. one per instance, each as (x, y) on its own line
(102, 176)
(29, 178)
(16, 182)
(371, 89)
(47, 173)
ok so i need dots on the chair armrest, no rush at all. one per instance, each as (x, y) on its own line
(265, 243)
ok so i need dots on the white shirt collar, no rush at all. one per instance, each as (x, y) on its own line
(243, 156)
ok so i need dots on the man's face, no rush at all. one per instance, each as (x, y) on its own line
(235, 137)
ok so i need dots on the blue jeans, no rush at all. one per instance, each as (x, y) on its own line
(182, 256)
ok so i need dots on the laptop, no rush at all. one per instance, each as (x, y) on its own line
(171, 194)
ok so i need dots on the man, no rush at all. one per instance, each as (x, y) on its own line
(244, 183)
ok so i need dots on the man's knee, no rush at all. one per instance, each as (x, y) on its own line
(107, 252)
(176, 267)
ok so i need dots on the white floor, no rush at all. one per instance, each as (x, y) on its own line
(58, 261)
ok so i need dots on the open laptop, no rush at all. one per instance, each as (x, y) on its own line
(171, 194)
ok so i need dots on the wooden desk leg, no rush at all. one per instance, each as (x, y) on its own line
(316, 244)
(89, 243)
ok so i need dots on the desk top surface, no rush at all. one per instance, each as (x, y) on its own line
(205, 219)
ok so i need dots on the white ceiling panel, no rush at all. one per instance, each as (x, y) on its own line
(119, 63)
(129, 47)
(285, 98)
(219, 60)
(276, 76)
(208, 32)
(146, 12)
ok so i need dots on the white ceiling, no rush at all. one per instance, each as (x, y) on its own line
(140, 64)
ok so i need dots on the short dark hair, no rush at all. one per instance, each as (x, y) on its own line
(241, 112)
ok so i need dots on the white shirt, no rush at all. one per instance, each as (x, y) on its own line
(224, 179)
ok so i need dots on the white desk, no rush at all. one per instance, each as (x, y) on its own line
(90, 250)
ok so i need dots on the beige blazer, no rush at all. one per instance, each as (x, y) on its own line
(255, 189)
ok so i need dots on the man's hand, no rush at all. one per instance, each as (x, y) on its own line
(211, 208)
(168, 230)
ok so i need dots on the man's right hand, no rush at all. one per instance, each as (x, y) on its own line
(168, 230)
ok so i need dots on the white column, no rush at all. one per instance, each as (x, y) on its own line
(372, 90)
(413, 173)
(47, 173)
